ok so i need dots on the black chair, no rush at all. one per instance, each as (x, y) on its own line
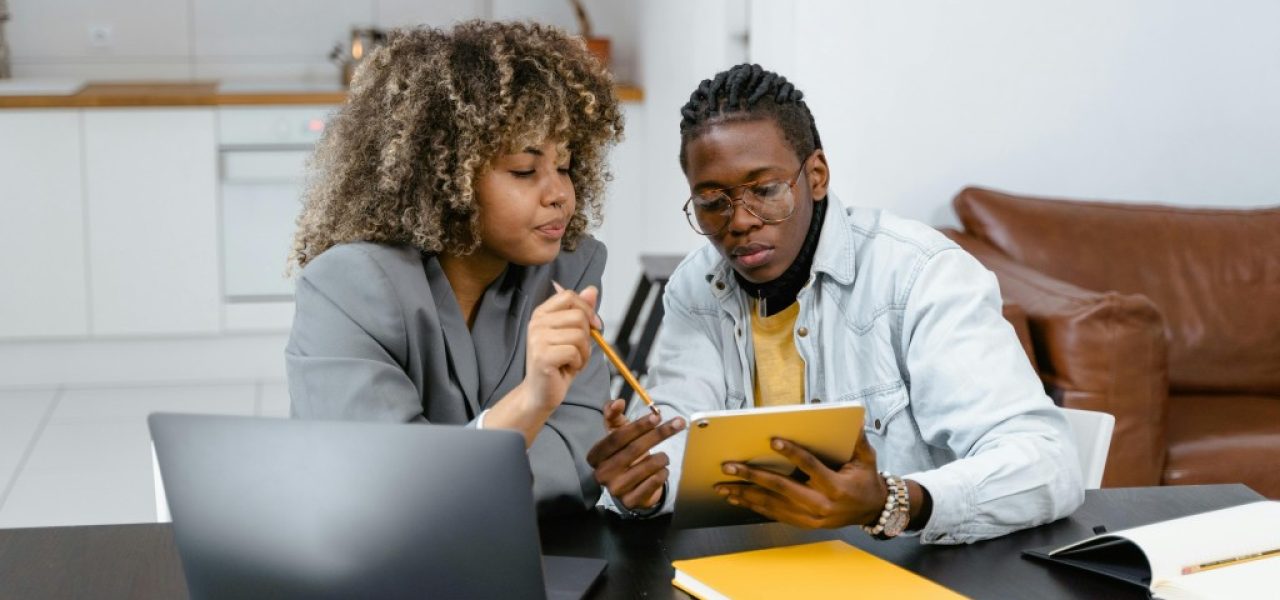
(643, 319)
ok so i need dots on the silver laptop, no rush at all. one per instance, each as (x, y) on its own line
(311, 509)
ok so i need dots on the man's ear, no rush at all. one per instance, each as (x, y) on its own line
(819, 175)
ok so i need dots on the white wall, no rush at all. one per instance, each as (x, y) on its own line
(680, 44)
(251, 39)
(1132, 100)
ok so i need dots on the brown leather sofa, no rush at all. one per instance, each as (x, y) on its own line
(1167, 318)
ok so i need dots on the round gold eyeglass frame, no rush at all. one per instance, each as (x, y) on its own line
(727, 192)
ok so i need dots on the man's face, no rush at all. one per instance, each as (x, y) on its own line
(737, 152)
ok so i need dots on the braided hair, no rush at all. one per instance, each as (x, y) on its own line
(746, 93)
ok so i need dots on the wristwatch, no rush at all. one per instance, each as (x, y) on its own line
(897, 510)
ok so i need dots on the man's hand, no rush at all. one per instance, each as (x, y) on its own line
(853, 495)
(622, 462)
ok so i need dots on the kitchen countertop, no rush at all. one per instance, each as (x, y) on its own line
(202, 93)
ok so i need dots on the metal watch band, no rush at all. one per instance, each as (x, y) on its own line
(897, 501)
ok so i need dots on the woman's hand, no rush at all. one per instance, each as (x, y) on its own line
(558, 346)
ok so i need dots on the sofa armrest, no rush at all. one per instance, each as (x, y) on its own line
(1021, 326)
(1095, 351)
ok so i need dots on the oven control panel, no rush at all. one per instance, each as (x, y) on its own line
(272, 125)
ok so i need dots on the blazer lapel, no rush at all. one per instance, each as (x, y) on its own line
(499, 334)
(458, 343)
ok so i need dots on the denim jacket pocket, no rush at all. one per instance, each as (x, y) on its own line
(884, 402)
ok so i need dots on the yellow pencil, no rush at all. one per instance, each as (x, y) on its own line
(618, 364)
(1235, 560)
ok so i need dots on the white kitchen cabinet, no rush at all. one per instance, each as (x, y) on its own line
(42, 244)
(151, 187)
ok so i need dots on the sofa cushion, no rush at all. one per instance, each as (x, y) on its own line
(1225, 439)
(1214, 274)
(1095, 351)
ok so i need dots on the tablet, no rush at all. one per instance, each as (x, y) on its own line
(830, 431)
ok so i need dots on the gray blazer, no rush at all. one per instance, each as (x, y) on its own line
(378, 336)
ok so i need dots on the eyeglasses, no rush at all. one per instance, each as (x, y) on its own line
(770, 200)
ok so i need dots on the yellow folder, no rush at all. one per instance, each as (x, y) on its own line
(831, 569)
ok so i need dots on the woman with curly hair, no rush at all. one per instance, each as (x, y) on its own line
(449, 195)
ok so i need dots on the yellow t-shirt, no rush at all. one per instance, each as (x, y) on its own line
(779, 376)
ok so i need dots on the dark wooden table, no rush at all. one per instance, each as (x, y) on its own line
(140, 561)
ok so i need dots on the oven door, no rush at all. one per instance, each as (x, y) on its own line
(261, 198)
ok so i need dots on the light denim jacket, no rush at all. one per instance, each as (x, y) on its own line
(899, 318)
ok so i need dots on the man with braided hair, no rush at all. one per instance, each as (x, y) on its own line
(800, 299)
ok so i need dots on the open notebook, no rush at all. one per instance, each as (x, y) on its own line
(1228, 553)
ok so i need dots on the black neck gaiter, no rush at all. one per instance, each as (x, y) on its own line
(776, 295)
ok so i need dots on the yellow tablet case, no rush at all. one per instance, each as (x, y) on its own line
(830, 431)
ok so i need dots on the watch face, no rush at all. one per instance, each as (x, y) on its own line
(896, 523)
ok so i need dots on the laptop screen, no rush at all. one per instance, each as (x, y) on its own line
(273, 507)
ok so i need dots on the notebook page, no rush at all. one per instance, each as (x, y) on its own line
(1244, 580)
(1215, 535)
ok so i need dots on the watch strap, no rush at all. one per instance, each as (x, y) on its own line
(897, 501)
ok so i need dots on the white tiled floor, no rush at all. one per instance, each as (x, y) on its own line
(21, 415)
(81, 455)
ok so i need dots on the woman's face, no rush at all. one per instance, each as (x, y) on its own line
(526, 200)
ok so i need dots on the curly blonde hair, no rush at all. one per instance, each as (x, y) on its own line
(427, 113)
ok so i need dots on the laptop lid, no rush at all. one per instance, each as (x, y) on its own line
(282, 508)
